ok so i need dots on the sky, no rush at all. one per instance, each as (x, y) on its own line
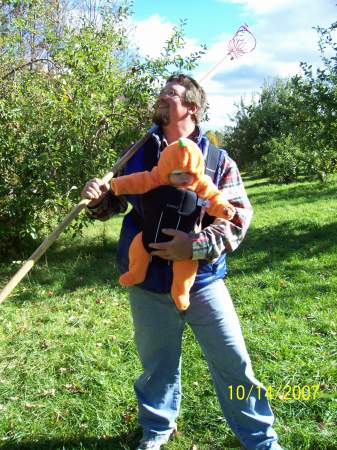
(283, 30)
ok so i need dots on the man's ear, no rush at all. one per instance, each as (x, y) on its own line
(192, 108)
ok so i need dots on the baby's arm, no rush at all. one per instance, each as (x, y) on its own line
(136, 183)
(217, 206)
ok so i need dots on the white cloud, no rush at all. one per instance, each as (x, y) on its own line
(260, 6)
(285, 36)
(151, 34)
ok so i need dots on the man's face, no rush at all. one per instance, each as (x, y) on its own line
(170, 106)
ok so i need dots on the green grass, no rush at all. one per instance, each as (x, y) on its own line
(68, 361)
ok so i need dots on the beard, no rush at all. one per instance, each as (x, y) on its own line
(161, 115)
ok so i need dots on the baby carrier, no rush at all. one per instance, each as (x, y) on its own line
(171, 207)
(167, 209)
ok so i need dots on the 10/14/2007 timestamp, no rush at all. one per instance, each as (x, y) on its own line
(286, 392)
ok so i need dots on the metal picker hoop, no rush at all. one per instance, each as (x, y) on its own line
(242, 42)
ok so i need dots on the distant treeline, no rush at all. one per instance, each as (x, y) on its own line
(290, 130)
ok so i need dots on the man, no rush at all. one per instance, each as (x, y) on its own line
(157, 322)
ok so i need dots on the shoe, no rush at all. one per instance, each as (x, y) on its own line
(154, 443)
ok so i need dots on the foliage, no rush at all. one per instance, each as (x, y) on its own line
(284, 160)
(255, 124)
(73, 95)
(216, 137)
(318, 94)
(212, 137)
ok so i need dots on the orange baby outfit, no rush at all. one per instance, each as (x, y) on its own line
(185, 156)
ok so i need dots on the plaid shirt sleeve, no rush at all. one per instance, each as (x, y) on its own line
(109, 206)
(222, 235)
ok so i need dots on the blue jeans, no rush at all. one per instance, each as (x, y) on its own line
(158, 333)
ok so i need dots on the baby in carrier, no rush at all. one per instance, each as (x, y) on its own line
(173, 190)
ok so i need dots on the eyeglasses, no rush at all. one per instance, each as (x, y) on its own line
(170, 93)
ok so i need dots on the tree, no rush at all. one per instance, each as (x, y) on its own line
(255, 124)
(212, 137)
(67, 111)
(318, 98)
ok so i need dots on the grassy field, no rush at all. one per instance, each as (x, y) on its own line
(68, 361)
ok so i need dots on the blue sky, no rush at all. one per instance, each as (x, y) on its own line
(205, 19)
(283, 30)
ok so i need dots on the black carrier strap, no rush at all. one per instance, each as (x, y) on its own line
(212, 159)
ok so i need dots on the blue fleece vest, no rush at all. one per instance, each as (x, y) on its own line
(159, 275)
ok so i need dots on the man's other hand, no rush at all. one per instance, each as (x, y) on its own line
(178, 249)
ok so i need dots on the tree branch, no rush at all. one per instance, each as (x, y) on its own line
(28, 64)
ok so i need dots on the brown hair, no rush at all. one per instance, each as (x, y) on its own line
(194, 93)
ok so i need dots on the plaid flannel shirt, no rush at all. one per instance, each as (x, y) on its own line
(221, 235)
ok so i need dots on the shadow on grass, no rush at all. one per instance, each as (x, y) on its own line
(88, 263)
(249, 176)
(281, 242)
(297, 194)
(123, 442)
(70, 266)
(127, 441)
(259, 184)
(81, 264)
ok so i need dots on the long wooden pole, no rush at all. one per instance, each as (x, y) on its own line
(69, 218)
